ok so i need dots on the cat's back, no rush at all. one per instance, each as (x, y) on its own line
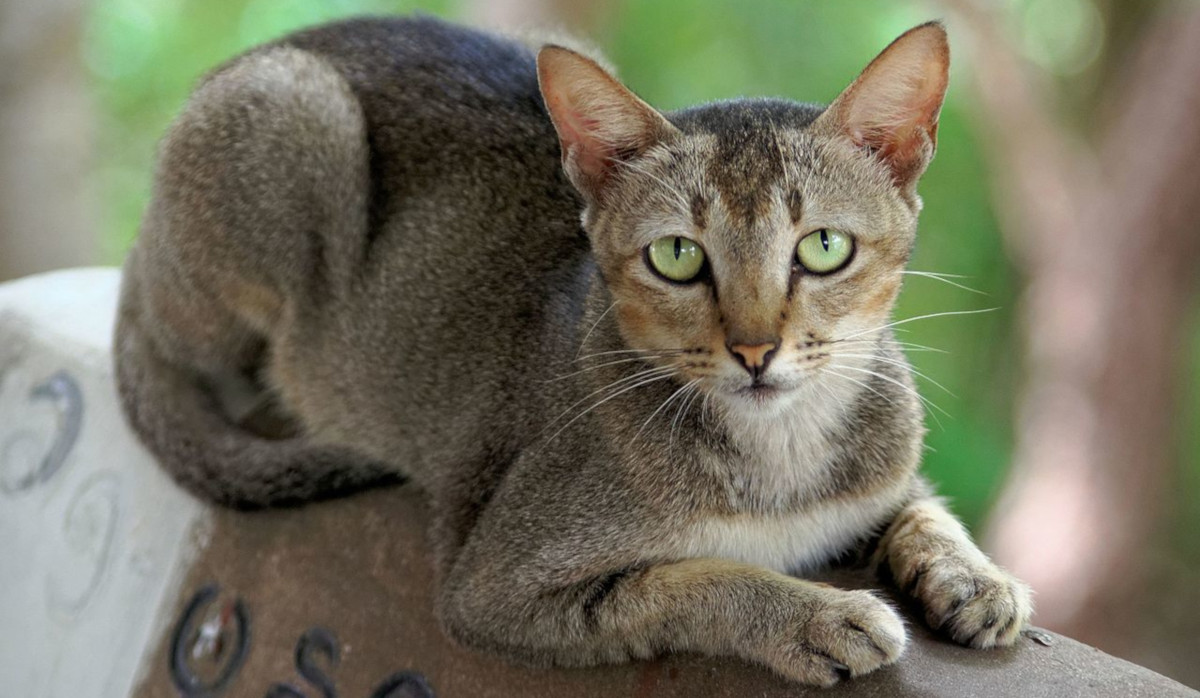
(439, 97)
(369, 217)
(471, 265)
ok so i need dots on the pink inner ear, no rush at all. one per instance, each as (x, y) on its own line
(892, 109)
(576, 135)
(598, 120)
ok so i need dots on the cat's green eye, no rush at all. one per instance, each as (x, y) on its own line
(825, 251)
(677, 258)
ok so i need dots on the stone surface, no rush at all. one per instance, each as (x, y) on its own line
(358, 569)
(116, 583)
(93, 536)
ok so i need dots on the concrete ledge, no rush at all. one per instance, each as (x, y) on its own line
(124, 585)
(94, 538)
(357, 569)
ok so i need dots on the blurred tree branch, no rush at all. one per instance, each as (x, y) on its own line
(46, 126)
(1106, 236)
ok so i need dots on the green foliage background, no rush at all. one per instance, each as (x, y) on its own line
(145, 55)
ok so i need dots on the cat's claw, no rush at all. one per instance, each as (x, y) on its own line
(851, 633)
(975, 603)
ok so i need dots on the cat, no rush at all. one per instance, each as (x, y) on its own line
(639, 362)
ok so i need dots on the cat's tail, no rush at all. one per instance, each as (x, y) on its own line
(184, 426)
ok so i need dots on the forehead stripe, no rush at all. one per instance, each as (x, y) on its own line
(699, 211)
(745, 169)
(795, 205)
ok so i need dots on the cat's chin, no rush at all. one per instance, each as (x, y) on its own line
(760, 392)
(761, 397)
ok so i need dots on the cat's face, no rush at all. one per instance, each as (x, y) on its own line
(759, 316)
(754, 246)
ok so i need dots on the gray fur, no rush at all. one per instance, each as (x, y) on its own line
(370, 223)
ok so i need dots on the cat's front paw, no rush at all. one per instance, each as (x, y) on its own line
(838, 635)
(973, 601)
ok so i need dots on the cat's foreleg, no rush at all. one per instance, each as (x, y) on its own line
(808, 632)
(964, 594)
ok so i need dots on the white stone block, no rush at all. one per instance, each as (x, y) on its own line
(94, 537)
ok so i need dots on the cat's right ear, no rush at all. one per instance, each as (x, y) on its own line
(891, 110)
(600, 122)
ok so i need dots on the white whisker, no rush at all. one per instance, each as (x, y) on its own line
(660, 408)
(901, 364)
(683, 407)
(664, 370)
(900, 385)
(833, 397)
(639, 384)
(595, 324)
(914, 319)
(910, 346)
(944, 278)
(865, 386)
(601, 365)
(644, 352)
(939, 273)
(907, 346)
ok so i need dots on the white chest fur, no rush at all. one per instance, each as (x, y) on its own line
(791, 543)
(784, 453)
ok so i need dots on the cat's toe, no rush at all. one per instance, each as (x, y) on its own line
(980, 607)
(853, 633)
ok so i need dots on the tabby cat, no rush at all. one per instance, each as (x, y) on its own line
(640, 362)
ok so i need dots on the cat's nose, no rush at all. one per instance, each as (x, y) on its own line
(754, 357)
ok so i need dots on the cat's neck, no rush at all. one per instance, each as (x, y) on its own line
(778, 455)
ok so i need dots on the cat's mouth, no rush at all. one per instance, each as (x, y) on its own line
(760, 392)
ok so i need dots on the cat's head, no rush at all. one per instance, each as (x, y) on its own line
(752, 244)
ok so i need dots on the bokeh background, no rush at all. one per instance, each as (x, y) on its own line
(1064, 198)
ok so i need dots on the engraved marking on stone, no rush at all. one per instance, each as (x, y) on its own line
(404, 684)
(18, 472)
(320, 646)
(316, 646)
(209, 644)
(212, 638)
(89, 530)
(315, 643)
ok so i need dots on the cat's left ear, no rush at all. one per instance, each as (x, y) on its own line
(891, 109)
(600, 123)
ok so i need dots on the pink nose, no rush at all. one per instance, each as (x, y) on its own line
(754, 357)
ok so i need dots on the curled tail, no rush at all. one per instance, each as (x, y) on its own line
(260, 198)
(183, 424)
